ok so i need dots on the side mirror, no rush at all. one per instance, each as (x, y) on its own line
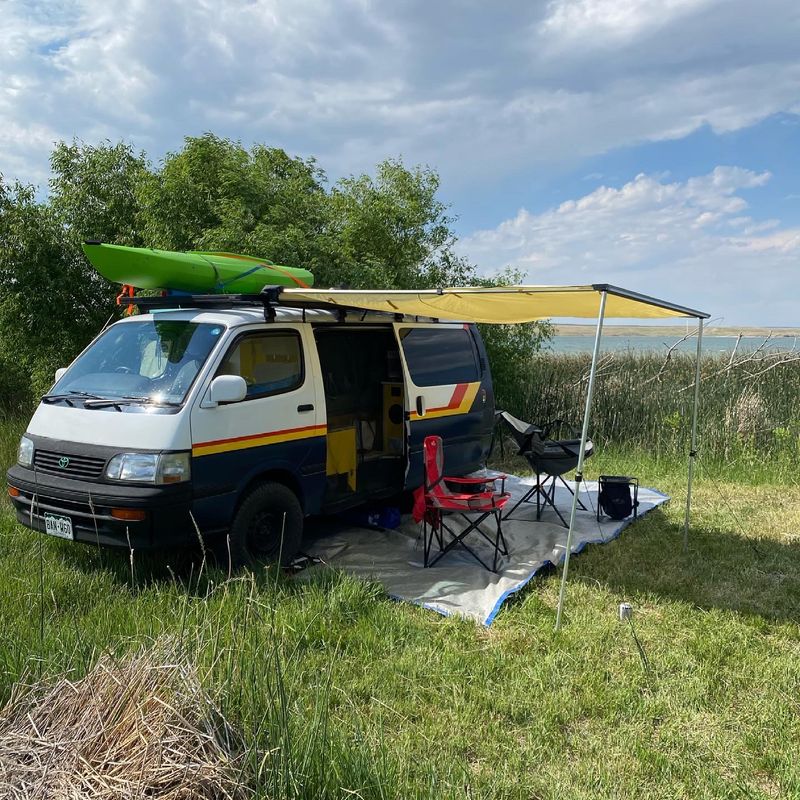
(227, 389)
(60, 373)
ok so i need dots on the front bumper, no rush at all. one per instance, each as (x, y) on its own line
(88, 504)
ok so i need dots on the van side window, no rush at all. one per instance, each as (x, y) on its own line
(438, 356)
(270, 363)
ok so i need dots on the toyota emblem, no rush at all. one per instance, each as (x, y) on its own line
(63, 462)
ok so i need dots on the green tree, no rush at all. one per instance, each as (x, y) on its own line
(388, 230)
(393, 231)
(46, 312)
(216, 195)
(94, 192)
(51, 301)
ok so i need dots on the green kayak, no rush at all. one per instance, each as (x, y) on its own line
(197, 271)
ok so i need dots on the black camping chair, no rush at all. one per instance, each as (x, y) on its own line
(549, 458)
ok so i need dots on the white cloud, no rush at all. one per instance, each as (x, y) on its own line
(687, 241)
(476, 90)
(479, 91)
(605, 22)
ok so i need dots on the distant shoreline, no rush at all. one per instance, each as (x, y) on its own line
(674, 331)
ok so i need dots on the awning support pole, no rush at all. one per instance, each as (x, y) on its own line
(693, 445)
(581, 453)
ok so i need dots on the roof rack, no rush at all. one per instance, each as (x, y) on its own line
(269, 298)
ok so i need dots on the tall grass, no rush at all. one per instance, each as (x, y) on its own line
(337, 692)
(287, 663)
(282, 658)
(749, 415)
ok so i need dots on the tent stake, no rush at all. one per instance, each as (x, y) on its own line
(693, 445)
(579, 469)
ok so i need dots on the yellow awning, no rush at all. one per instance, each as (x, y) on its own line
(498, 305)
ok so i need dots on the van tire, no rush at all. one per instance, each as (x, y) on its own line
(255, 535)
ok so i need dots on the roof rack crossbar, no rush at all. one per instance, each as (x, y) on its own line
(269, 299)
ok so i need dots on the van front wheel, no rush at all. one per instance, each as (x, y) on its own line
(268, 527)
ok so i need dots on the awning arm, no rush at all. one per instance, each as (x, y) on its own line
(618, 291)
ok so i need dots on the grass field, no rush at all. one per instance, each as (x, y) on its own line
(339, 692)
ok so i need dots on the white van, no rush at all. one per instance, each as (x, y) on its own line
(238, 416)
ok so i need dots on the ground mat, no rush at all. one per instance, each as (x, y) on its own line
(457, 584)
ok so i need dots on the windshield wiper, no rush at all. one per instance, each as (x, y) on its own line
(150, 401)
(126, 400)
(49, 398)
(102, 402)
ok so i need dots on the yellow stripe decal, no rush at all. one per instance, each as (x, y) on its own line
(257, 440)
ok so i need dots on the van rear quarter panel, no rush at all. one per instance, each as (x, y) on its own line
(461, 413)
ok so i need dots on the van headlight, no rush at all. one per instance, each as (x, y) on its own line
(25, 452)
(156, 468)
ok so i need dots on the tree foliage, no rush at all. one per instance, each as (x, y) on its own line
(388, 230)
(47, 310)
(94, 192)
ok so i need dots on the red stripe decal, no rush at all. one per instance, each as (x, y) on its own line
(256, 436)
(455, 400)
(458, 395)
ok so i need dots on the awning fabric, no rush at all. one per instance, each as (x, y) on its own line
(498, 305)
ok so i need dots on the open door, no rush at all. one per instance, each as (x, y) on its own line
(448, 393)
(364, 400)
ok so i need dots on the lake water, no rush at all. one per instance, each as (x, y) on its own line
(660, 344)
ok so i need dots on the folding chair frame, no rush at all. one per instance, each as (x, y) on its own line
(434, 526)
(473, 499)
(545, 496)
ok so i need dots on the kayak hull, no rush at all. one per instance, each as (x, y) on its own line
(196, 272)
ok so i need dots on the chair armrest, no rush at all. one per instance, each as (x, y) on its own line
(476, 480)
(473, 481)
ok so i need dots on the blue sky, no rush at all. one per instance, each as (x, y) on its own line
(650, 144)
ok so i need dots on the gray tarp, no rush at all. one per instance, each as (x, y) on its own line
(457, 584)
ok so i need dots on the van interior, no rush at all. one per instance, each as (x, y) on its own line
(363, 381)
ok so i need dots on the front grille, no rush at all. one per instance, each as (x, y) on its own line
(68, 465)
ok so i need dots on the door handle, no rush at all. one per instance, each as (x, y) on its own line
(420, 405)
(306, 407)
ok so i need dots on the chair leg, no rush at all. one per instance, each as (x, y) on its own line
(538, 496)
(548, 497)
(524, 499)
(489, 539)
(431, 528)
(569, 489)
(498, 538)
(458, 538)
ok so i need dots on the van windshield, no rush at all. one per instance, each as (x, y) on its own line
(149, 361)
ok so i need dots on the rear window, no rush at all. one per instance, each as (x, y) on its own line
(440, 356)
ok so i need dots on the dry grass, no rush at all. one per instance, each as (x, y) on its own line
(139, 727)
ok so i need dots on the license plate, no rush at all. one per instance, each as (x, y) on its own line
(58, 526)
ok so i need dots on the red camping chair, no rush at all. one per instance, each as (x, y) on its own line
(474, 504)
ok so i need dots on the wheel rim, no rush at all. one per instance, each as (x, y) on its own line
(264, 534)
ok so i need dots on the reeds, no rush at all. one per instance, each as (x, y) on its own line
(749, 410)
